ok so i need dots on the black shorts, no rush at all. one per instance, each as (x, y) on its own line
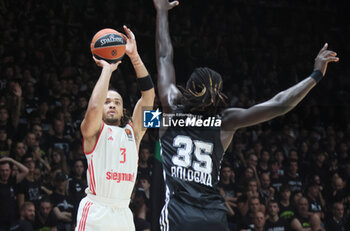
(179, 216)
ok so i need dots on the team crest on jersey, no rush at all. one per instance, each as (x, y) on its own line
(109, 130)
(128, 133)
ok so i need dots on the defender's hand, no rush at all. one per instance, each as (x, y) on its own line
(164, 4)
(323, 58)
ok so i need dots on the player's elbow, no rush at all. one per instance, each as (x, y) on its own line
(281, 104)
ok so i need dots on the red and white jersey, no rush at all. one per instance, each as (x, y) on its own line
(113, 163)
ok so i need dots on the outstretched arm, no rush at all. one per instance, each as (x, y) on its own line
(92, 122)
(145, 83)
(167, 89)
(280, 104)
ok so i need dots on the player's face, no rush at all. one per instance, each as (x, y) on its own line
(113, 108)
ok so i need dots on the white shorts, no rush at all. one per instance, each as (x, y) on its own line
(96, 213)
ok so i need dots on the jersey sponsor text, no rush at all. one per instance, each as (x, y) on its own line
(191, 175)
(120, 176)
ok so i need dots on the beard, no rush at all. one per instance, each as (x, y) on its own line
(112, 121)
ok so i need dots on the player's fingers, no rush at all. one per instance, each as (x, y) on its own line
(331, 53)
(96, 60)
(327, 53)
(118, 63)
(332, 59)
(129, 33)
(173, 4)
(324, 48)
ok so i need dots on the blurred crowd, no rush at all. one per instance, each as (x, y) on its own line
(295, 168)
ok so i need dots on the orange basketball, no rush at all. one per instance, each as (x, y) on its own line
(108, 44)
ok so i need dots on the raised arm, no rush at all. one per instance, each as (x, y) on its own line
(144, 81)
(167, 89)
(92, 122)
(283, 102)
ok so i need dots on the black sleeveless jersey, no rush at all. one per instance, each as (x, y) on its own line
(191, 159)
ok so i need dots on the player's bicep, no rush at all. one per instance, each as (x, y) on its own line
(90, 137)
(91, 125)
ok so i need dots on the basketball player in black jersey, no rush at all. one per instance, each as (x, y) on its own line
(192, 155)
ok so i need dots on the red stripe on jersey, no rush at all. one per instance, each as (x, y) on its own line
(93, 176)
(90, 180)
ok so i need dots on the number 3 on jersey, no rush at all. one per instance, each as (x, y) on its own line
(123, 155)
(202, 151)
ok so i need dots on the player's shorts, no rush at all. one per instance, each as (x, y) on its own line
(96, 213)
(179, 216)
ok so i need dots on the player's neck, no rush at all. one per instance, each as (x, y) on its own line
(116, 124)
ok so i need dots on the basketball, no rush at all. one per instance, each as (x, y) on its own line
(109, 45)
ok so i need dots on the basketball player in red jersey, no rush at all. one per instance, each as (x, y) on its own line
(192, 154)
(111, 142)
